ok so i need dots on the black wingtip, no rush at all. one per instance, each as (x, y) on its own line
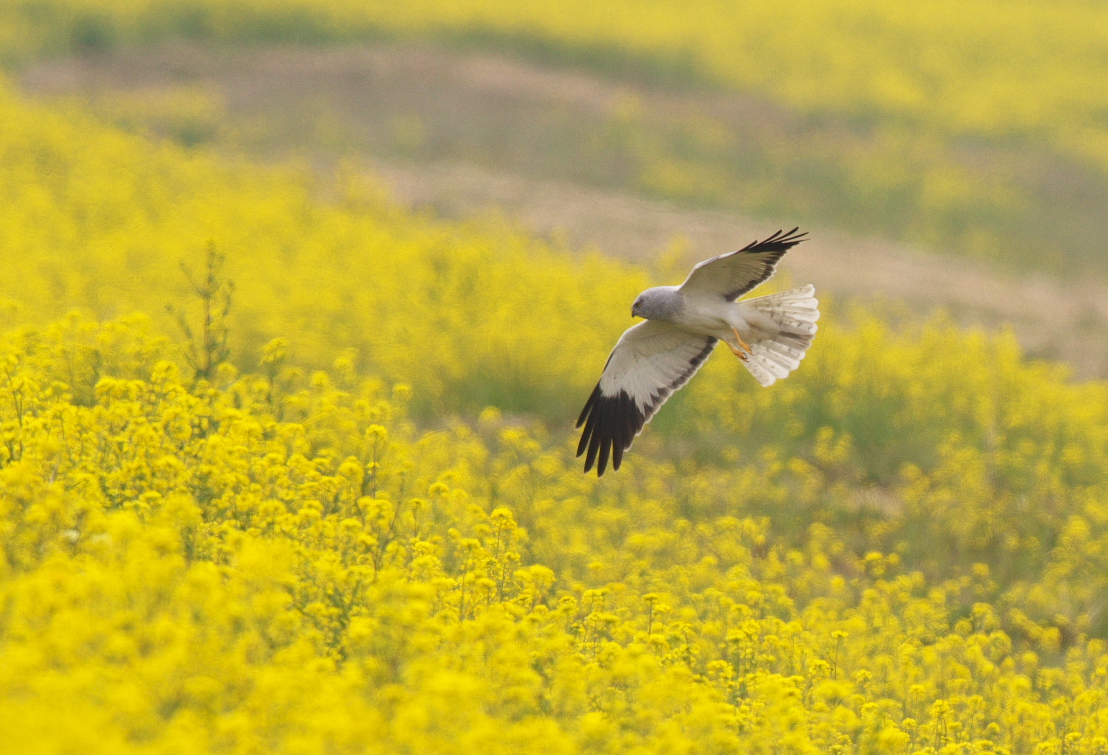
(611, 423)
(588, 406)
(780, 241)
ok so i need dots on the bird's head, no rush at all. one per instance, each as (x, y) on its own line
(661, 303)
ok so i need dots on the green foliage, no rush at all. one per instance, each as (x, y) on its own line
(207, 349)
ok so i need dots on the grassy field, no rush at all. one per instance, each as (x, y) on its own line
(978, 129)
(361, 528)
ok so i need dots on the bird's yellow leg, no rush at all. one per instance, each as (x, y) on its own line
(745, 351)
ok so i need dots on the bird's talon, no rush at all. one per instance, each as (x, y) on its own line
(744, 351)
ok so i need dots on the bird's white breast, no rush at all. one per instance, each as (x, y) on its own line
(709, 315)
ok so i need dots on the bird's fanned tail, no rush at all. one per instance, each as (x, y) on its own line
(793, 315)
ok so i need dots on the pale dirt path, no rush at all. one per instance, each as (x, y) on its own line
(364, 89)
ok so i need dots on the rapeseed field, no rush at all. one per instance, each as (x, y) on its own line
(345, 516)
(274, 563)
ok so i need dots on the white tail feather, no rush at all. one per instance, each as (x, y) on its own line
(786, 327)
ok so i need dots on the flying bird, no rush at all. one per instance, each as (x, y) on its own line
(651, 360)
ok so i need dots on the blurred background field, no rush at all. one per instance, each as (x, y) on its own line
(344, 515)
(979, 128)
(590, 132)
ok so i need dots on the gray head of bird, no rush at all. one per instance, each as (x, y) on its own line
(659, 303)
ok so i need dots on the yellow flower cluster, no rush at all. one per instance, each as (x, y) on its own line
(283, 563)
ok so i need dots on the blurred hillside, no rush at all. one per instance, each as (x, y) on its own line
(466, 134)
(973, 128)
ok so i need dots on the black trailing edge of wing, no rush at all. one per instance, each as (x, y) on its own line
(774, 249)
(612, 422)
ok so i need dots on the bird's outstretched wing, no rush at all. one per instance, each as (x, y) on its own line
(733, 274)
(651, 361)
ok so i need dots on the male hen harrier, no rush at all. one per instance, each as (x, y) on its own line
(770, 334)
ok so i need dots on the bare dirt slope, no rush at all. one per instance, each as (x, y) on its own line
(375, 104)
